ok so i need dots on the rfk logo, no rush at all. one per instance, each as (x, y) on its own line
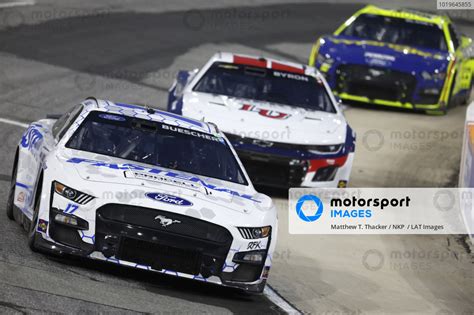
(265, 112)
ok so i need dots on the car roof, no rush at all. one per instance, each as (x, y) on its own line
(265, 62)
(150, 113)
(405, 13)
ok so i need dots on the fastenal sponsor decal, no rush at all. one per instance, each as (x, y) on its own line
(160, 172)
(381, 211)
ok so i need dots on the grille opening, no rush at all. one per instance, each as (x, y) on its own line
(375, 83)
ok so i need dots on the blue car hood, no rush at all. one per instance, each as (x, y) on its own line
(347, 50)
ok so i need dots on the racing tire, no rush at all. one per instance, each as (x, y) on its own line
(451, 100)
(32, 235)
(468, 94)
(11, 194)
(450, 104)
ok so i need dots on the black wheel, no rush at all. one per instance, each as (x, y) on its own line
(11, 194)
(34, 222)
(468, 94)
(451, 101)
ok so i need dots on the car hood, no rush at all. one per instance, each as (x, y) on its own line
(140, 183)
(266, 121)
(378, 54)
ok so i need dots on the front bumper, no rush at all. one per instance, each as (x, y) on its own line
(283, 172)
(386, 87)
(284, 165)
(129, 236)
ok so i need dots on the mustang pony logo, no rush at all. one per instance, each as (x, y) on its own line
(164, 221)
(265, 112)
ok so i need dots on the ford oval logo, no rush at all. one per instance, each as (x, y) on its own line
(172, 200)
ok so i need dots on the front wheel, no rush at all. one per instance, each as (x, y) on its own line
(11, 194)
(34, 222)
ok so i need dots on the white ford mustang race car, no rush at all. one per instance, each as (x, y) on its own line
(142, 188)
(281, 117)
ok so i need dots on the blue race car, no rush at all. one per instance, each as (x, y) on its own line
(399, 58)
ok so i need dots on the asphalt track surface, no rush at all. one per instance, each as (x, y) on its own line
(52, 57)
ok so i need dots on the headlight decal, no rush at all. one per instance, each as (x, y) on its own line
(72, 194)
(251, 233)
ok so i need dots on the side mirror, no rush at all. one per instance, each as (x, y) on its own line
(193, 73)
(465, 41)
(341, 106)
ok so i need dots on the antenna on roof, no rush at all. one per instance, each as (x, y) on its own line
(214, 125)
(149, 110)
(93, 99)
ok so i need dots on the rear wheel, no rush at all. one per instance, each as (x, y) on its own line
(34, 222)
(450, 103)
(11, 194)
(452, 100)
(468, 94)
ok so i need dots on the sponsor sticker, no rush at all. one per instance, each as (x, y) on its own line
(112, 117)
(21, 197)
(42, 226)
(266, 271)
(161, 172)
(288, 75)
(265, 112)
(254, 245)
(190, 132)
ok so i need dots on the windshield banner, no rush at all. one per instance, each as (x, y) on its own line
(381, 211)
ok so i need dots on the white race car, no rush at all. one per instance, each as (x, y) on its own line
(142, 188)
(281, 117)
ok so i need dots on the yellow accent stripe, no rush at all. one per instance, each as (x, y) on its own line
(470, 129)
(314, 53)
(364, 99)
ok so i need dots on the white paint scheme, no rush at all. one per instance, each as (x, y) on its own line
(302, 127)
(466, 170)
(49, 155)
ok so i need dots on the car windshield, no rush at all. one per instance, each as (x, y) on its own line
(241, 81)
(397, 31)
(157, 144)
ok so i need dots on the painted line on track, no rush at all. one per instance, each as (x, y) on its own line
(16, 4)
(13, 122)
(279, 301)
